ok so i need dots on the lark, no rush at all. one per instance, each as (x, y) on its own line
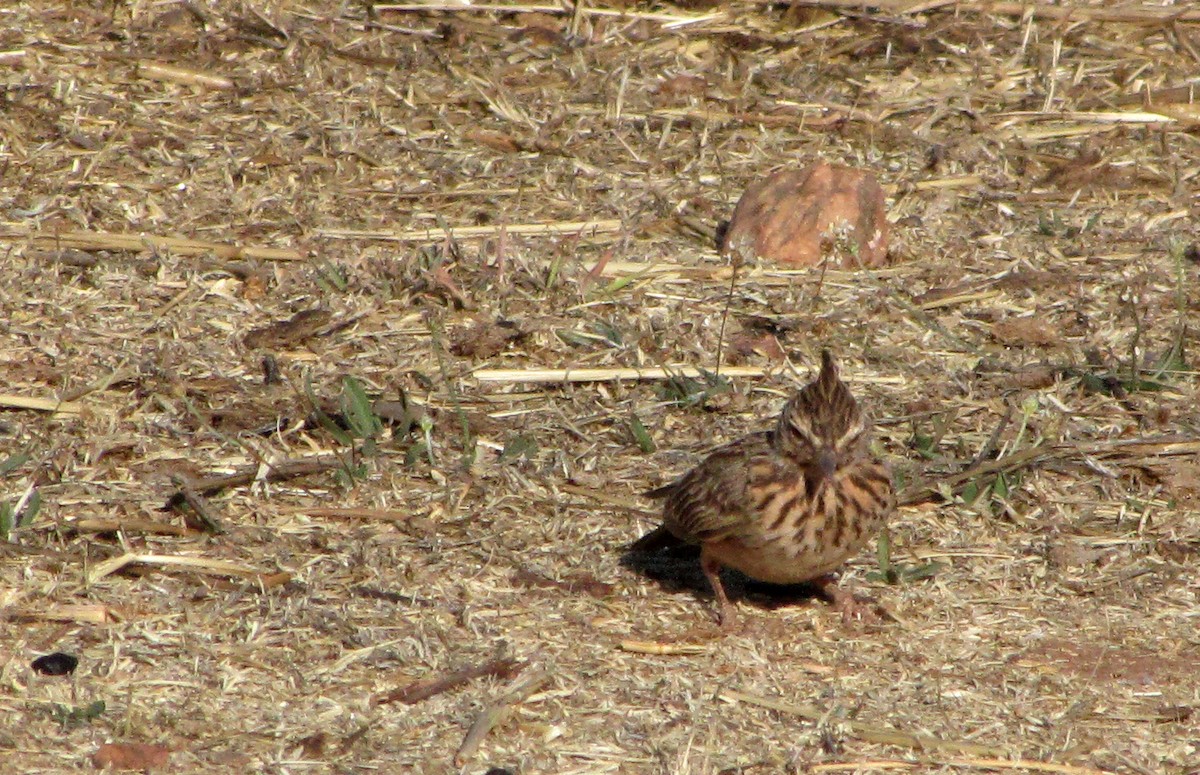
(787, 505)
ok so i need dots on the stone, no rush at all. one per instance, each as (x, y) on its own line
(803, 216)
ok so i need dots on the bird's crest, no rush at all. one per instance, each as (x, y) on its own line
(823, 413)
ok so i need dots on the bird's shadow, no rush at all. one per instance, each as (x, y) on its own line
(677, 569)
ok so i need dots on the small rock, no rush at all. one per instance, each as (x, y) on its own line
(131, 756)
(57, 663)
(802, 216)
(1024, 332)
(1035, 377)
(485, 339)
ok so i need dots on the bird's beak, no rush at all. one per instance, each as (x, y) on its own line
(827, 462)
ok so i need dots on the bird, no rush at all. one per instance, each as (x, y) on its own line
(786, 505)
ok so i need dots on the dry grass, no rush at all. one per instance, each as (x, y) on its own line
(178, 176)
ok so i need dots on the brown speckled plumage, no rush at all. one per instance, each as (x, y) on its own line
(787, 505)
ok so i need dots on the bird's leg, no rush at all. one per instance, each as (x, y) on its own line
(712, 571)
(844, 601)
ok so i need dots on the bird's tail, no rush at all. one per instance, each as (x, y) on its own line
(659, 492)
(657, 539)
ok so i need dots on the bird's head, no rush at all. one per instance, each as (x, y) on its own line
(821, 427)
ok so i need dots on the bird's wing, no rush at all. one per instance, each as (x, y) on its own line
(712, 500)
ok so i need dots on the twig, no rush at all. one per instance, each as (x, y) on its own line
(197, 564)
(1155, 447)
(899, 8)
(201, 516)
(698, 226)
(498, 712)
(605, 497)
(470, 232)
(82, 613)
(662, 649)
(161, 312)
(992, 443)
(917, 493)
(863, 731)
(830, 114)
(437, 335)
(578, 9)
(1026, 764)
(102, 240)
(40, 404)
(671, 19)
(990, 764)
(1175, 444)
(1131, 764)
(1086, 117)
(428, 687)
(1092, 588)
(921, 317)
(858, 766)
(380, 515)
(604, 375)
(163, 72)
(1143, 14)
(720, 274)
(106, 525)
(101, 384)
(596, 271)
(737, 254)
(287, 469)
(954, 181)
(1147, 96)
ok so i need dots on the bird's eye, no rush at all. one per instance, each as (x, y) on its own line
(803, 430)
(853, 435)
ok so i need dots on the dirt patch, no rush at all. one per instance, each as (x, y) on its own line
(1111, 662)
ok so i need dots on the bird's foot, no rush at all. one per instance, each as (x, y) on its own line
(853, 610)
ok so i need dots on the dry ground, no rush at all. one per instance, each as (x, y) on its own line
(1042, 171)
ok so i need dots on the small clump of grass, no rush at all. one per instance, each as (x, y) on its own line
(69, 717)
(687, 392)
(896, 573)
(331, 278)
(640, 435)
(23, 511)
(991, 494)
(356, 421)
(518, 446)
(600, 333)
(1136, 375)
(438, 341)
(359, 413)
(927, 444)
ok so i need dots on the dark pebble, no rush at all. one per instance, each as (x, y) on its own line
(57, 663)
